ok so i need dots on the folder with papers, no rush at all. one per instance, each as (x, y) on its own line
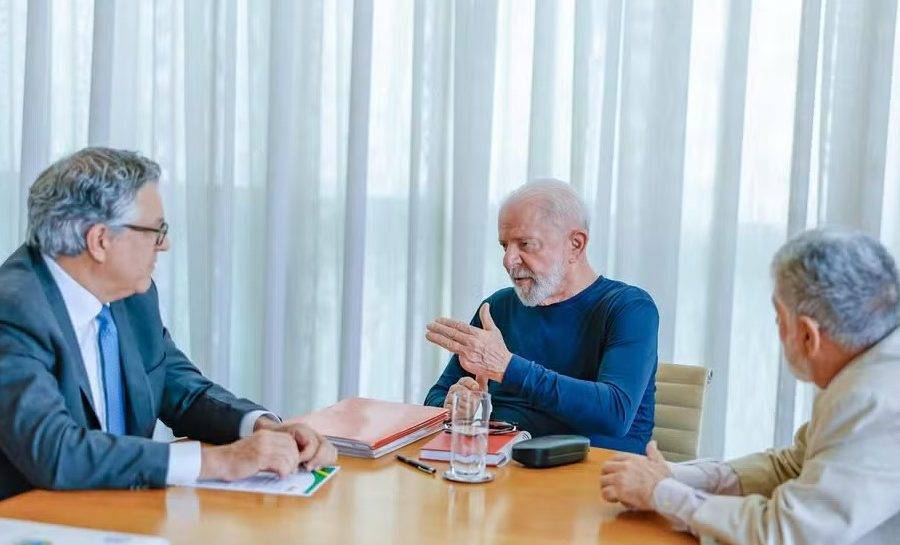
(369, 428)
(499, 448)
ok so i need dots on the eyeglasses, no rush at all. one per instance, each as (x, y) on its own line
(161, 231)
(495, 427)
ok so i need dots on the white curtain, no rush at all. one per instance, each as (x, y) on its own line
(333, 169)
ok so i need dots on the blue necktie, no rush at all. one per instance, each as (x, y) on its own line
(112, 373)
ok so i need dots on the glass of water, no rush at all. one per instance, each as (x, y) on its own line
(470, 413)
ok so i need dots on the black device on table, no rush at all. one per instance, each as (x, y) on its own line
(551, 450)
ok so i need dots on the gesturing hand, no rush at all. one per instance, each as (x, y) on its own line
(631, 479)
(481, 352)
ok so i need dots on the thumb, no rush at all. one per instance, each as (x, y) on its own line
(484, 313)
(653, 452)
(482, 382)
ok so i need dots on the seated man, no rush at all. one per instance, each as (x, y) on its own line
(86, 366)
(567, 351)
(836, 301)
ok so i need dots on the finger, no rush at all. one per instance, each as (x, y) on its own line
(283, 467)
(289, 450)
(468, 382)
(278, 458)
(482, 382)
(324, 456)
(462, 327)
(485, 314)
(457, 331)
(307, 441)
(445, 342)
(609, 494)
(653, 452)
(612, 467)
(610, 479)
(623, 457)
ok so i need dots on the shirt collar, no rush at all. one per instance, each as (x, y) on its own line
(82, 305)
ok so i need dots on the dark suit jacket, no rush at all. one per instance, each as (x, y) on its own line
(49, 433)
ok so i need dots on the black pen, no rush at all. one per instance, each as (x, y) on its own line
(416, 464)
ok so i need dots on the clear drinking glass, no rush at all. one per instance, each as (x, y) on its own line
(470, 413)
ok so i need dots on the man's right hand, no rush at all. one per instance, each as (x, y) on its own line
(465, 384)
(265, 450)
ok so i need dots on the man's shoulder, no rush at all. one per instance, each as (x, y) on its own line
(873, 373)
(20, 287)
(862, 396)
(24, 310)
(617, 296)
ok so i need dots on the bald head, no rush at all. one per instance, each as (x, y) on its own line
(556, 200)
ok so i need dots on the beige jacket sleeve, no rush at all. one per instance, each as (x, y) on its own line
(836, 484)
(760, 473)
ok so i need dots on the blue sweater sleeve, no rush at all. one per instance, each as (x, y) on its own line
(609, 404)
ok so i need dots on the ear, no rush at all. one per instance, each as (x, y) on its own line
(97, 241)
(578, 239)
(809, 335)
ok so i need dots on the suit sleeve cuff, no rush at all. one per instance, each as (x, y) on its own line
(248, 421)
(184, 463)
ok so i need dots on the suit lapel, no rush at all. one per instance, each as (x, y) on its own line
(140, 415)
(58, 306)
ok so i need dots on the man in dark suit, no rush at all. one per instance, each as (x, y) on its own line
(86, 365)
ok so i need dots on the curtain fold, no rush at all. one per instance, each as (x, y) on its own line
(333, 169)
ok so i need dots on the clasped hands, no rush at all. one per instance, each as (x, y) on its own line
(632, 478)
(481, 351)
(278, 447)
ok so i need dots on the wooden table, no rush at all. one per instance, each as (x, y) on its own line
(370, 501)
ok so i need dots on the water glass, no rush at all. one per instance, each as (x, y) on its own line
(470, 414)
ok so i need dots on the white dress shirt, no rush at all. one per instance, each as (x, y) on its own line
(691, 484)
(83, 308)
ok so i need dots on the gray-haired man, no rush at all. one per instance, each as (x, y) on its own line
(86, 366)
(836, 299)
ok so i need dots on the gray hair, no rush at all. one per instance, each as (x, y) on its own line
(91, 186)
(563, 206)
(846, 281)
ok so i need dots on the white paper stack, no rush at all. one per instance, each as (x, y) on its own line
(16, 532)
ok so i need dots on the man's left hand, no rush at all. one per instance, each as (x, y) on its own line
(631, 479)
(315, 450)
(481, 352)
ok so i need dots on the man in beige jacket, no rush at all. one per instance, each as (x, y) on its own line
(836, 299)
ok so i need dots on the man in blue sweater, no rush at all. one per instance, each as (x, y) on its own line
(564, 350)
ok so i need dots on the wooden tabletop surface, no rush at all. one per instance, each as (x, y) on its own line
(370, 501)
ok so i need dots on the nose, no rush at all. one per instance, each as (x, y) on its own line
(164, 246)
(511, 257)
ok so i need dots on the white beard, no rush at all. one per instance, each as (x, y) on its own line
(542, 287)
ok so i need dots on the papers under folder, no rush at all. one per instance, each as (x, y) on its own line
(370, 428)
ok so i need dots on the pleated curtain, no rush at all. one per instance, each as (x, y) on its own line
(333, 169)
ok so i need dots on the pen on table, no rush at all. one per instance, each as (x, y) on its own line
(416, 464)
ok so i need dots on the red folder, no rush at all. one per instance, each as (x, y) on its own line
(499, 449)
(369, 428)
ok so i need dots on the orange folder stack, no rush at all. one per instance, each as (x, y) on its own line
(369, 428)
